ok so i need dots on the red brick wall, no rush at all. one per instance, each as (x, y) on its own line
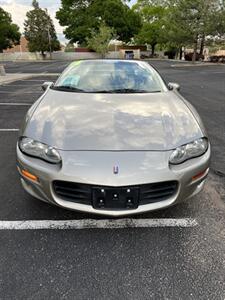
(19, 48)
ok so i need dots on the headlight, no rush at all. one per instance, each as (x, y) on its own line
(194, 149)
(39, 150)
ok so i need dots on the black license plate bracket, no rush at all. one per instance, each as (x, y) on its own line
(115, 198)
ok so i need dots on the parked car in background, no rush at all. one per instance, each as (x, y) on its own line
(214, 58)
(189, 56)
(217, 58)
(222, 59)
(171, 54)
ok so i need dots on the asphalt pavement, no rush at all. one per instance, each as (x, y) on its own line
(35, 66)
(126, 263)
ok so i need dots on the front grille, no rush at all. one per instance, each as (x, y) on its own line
(155, 192)
(74, 192)
(83, 193)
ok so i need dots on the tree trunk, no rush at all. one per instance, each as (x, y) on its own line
(202, 44)
(180, 53)
(43, 54)
(195, 51)
(103, 54)
(153, 49)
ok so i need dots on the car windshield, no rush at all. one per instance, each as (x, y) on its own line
(110, 76)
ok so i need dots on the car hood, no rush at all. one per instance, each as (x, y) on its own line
(110, 122)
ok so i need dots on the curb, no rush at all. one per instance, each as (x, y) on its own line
(198, 65)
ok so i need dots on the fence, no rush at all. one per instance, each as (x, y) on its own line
(55, 56)
(60, 55)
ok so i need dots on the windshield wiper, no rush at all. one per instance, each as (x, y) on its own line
(125, 91)
(67, 88)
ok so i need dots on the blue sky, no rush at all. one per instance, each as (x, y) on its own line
(19, 8)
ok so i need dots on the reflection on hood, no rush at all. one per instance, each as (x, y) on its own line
(73, 121)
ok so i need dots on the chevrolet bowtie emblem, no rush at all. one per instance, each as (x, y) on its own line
(115, 170)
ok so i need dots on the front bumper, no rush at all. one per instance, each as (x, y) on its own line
(96, 168)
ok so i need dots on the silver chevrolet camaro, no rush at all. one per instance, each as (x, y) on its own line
(111, 137)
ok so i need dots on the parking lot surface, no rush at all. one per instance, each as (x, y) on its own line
(35, 67)
(160, 262)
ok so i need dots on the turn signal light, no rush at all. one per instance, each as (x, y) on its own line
(199, 175)
(29, 175)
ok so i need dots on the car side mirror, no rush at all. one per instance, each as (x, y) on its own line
(46, 85)
(173, 86)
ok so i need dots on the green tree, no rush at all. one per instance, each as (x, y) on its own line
(190, 21)
(100, 39)
(9, 32)
(153, 29)
(219, 25)
(40, 31)
(177, 37)
(69, 47)
(82, 16)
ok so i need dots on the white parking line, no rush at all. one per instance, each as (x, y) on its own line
(91, 224)
(8, 130)
(15, 104)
